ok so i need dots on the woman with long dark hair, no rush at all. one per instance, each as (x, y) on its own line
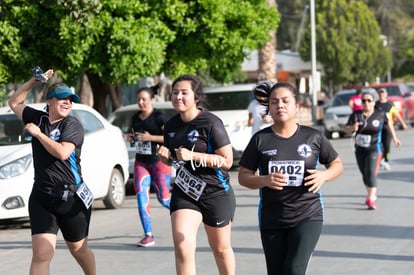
(286, 156)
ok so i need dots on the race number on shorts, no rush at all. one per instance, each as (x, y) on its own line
(85, 194)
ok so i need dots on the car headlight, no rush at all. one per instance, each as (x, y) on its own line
(15, 168)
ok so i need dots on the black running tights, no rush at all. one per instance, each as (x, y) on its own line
(288, 251)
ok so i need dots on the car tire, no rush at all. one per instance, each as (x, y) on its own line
(116, 191)
(327, 133)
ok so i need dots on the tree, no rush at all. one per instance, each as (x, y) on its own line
(348, 43)
(117, 42)
(267, 59)
(407, 48)
(396, 20)
(293, 13)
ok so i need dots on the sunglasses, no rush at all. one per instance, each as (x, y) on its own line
(366, 100)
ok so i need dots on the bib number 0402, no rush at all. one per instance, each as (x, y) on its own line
(293, 169)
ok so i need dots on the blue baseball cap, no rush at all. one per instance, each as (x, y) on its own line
(62, 92)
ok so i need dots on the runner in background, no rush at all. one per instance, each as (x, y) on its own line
(366, 126)
(383, 104)
(147, 133)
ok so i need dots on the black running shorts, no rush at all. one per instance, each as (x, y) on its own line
(217, 211)
(49, 214)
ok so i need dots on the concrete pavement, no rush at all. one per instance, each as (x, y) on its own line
(354, 240)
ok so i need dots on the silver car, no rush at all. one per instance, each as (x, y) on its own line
(338, 111)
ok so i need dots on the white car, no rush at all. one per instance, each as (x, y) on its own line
(227, 102)
(104, 161)
(230, 104)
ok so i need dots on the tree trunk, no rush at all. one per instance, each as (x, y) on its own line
(85, 91)
(100, 91)
(103, 94)
(115, 92)
(267, 55)
(118, 90)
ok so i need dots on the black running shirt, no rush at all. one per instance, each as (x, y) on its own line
(146, 150)
(204, 134)
(368, 136)
(52, 174)
(384, 106)
(269, 152)
(389, 109)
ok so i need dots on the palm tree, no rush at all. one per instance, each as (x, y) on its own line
(267, 59)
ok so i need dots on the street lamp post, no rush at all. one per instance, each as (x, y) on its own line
(313, 63)
(384, 39)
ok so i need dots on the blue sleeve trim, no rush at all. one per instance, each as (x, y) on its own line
(74, 168)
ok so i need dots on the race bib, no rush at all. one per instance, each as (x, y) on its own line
(189, 184)
(293, 169)
(144, 147)
(85, 194)
(363, 140)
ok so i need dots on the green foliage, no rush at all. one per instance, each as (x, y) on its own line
(118, 49)
(406, 69)
(293, 12)
(214, 36)
(396, 20)
(407, 46)
(348, 42)
(9, 41)
(121, 41)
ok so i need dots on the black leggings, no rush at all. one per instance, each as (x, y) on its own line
(368, 164)
(386, 144)
(288, 251)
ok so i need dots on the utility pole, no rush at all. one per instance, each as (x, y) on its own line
(301, 27)
(313, 62)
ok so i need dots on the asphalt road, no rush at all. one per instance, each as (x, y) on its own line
(354, 240)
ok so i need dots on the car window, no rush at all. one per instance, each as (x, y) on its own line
(393, 91)
(169, 113)
(122, 119)
(89, 122)
(11, 131)
(228, 100)
(341, 99)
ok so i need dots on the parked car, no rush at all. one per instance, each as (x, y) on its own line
(410, 86)
(230, 104)
(338, 111)
(104, 161)
(402, 98)
(121, 118)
